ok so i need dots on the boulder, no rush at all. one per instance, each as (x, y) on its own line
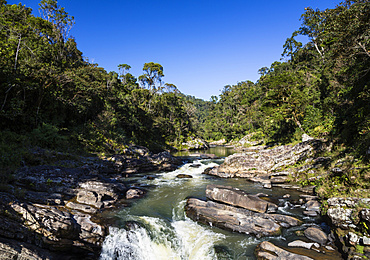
(135, 193)
(195, 144)
(300, 243)
(239, 198)
(267, 250)
(184, 176)
(231, 218)
(100, 194)
(317, 235)
(254, 163)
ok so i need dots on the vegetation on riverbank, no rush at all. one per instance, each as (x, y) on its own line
(53, 97)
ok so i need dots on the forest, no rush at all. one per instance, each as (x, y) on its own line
(52, 97)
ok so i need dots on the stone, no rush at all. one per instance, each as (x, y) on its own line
(340, 217)
(231, 218)
(366, 240)
(306, 137)
(353, 239)
(312, 205)
(81, 207)
(195, 144)
(286, 196)
(267, 250)
(183, 176)
(197, 165)
(300, 243)
(317, 235)
(310, 213)
(91, 232)
(236, 197)
(134, 193)
(264, 161)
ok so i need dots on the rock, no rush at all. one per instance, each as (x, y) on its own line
(183, 176)
(353, 239)
(312, 205)
(195, 144)
(310, 213)
(134, 193)
(286, 196)
(100, 194)
(317, 235)
(340, 217)
(306, 137)
(197, 165)
(261, 162)
(207, 170)
(300, 243)
(231, 218)
(236, 197)
(58, 228)
(81, 207)
(267, 250)
(284, 220)
(366, 240)
(11, 249)
(219, 142)
(91, 232)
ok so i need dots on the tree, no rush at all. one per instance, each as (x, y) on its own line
(152, 77)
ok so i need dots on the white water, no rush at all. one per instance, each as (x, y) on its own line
(162, 230)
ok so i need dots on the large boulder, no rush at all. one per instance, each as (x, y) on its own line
(237, 219)
(239, 198)
(100, 194)
(231, 218)
(268, 251)
(195, 144)
(262, 162)
(316, 234)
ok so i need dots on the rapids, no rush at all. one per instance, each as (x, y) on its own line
(159, 229)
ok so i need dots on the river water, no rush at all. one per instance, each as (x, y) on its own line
(160, 229)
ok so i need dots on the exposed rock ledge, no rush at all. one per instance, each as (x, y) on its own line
(264, 165)
(254, 221)
(51, 212)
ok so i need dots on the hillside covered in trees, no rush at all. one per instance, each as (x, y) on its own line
(321, 88)
(51, 96)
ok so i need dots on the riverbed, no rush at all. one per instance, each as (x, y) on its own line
(159, 228)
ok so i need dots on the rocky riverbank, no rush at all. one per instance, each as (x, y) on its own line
(52, 211)
(290, 166)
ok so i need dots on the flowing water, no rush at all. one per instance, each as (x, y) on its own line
(156, 227)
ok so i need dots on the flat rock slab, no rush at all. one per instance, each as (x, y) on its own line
(268, 251)
(317, 235)
(240, 198)
(231, 218)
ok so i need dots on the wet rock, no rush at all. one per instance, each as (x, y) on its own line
(90, 232)
(183, 176)
(231, 218)
(285, 221)
(197, 165)
(267, 250)
(317, 235)
(236, 197)
(207, 170)
(134, 193)
(300, 243)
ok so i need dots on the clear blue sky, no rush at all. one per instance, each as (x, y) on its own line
(203, 45)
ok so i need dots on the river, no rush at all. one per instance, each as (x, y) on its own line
(160, 229)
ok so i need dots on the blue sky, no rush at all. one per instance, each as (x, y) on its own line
(203, 45)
